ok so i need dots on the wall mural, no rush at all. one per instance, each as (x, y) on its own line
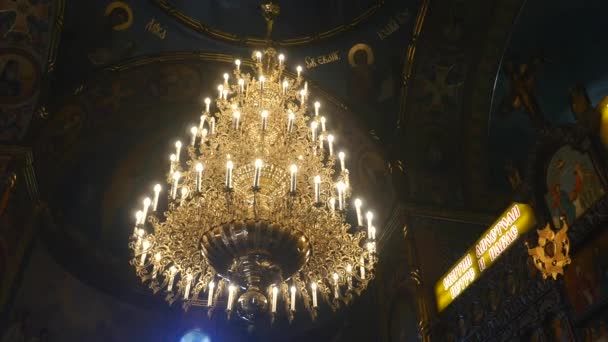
(63, 309)
(572, 183)
(28, 38)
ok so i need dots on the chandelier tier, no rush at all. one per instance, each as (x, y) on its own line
(257, 206)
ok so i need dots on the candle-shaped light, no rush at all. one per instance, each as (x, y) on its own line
(146, 203)
(157, 189)
(332, 204)
(199, 177)
(157, 258)
(225, 94)
(193, 131)
(292, 185)
(371, 233)
(207, 104)
(341, 188)
(189, 278)
(258, 56)
(241, 85)
(317, 106)
(358, 204)
(231, 291)
(341, 156)
(313, 130)
(362, 267)
(336, 285)
(176, 177)
(178, 149)
(236, 117)
(290, 118)
(330, 144)
(172, 273)
(140, 234)
(285, 86)
(306, 87)
(262, 79)
(264, 119)
(323, 120)
(220, 90)
(138, 219)
(302, 96)
(145, 246)
(349, 276)
(203, 136)
(229, 166)
(317, 189)
(184, 195)
(369, 216)
(321, 139)
(313, 286)
(210, 293)
(226, 78)
(281, 58)
(273, 302)
(212, 123)
(237, 62)
(258, 173)
(299, 70)
(172, 159)
(292, 302)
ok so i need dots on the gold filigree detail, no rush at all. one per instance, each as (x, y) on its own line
(553, 251)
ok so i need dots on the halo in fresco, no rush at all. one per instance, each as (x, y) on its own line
(19, 76)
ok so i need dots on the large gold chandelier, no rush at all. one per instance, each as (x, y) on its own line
(257, 202)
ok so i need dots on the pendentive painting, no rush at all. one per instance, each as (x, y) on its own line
(586, 279)
(573, 184)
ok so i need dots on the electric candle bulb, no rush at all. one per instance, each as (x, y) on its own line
(290, 118)
(140, 234)
(207, 103)
(145, 245)
(313, 129)
(292, 186)
(138, 216)
(189, 278)
(212, 121)
(349, 278)
(202, 123)
(332, 204)
(285, 86)
(176, 176)
(172, 272)
(258, 55)
(258, 172)
(371, 233)
(210, 294)
(238, 64)
(172, 159)
(341, 187)
(275, 291)
(237, 116)
(231, 290)
(358, 204)
(369, 216)
(226, 77)
(323, 124)
(313, 286)
(341, 156)
(184, 195)
(281, 59)
(220, 90)
(362, 269)
(264, 119)
(262, 79)
(317, 189)
(330, 143)
(241, 85)
(193, 131)
(306, 87)
(317, 106)
(203, 135)
(147, 203)
(178, 148)
(225, 93)
(199, 176)
(229, 166)
(293, 298)
(302, 96)
(157, 189)
(336, 285)
(299, 70)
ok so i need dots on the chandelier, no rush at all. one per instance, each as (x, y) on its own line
(256, 211)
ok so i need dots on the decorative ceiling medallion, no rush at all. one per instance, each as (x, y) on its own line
(215, 33)
(553, 251)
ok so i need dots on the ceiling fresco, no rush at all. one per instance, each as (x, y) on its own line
(555, 44)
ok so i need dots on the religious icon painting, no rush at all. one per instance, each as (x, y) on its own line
(573, 184)
(19, 77)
